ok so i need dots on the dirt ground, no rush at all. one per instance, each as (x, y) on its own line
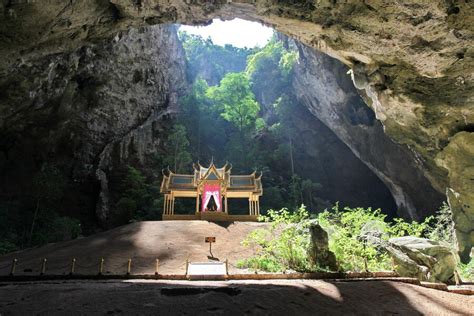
(275, 297)
(169, 241)
(172, 243)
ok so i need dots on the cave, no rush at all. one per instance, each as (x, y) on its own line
(91, 89)
(365, 104)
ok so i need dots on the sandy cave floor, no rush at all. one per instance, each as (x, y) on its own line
(172, 243)
(272, 297)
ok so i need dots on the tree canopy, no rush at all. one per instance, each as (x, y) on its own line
(235, 100)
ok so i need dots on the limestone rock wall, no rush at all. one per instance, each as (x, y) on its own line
(89, 109)
(324, 87)
(458, 158)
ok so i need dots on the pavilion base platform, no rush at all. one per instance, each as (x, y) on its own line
(212, 217)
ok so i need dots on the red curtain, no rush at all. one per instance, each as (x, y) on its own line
(211, 190)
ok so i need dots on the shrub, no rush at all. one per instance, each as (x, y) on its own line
(348, 230)
(64, 228)
(442, 226)
(466, 271)
(283, 245)
(352, 234)
(6, 247)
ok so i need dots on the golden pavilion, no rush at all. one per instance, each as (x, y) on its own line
(211, 187)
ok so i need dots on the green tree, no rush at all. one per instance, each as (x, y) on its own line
(178, 145)
(48, 189)
(137, 199)
(236, 101)
(212, 62)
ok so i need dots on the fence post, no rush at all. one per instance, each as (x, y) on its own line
(227, 266)
(73, 266)
(366, 266)
(129, 266)
(101, 266)
(187, 264)
(43, 266)
(157, 266)
(12, 270)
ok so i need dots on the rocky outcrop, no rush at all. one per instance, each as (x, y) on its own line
(421, 258)
(412, 60)
(322, 84)
(89, 109)
(320, 155)
(458, 158)
(318, 251)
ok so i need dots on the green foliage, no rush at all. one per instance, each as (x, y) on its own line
(269, 71)
(265, 58)
(137, 199)
(287, 62)
(443, 226)
(38, 219)
(283, 246)
(346, 229)
(236, 101)
(49, 184)
(224, 114)
(285, 216)
(48, 189)
(7, 246)
(177, 146)
(53, 228)
(466, 271)
(224, 59)
(351, 231)
(402, 228)
(64, 228)
(126, 207)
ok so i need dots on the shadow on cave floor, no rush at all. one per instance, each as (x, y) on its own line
(276, 297)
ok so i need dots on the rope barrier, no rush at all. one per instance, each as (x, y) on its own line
(182, 265)
(66, 267)
(94, 265)
(51, 267)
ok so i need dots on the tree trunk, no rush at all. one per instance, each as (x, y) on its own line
(291, 160)
(176, 158)
(35, 215)
(199, 137)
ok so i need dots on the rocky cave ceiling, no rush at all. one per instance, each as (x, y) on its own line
(411, 61)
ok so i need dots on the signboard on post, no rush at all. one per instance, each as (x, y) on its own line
(210, 239)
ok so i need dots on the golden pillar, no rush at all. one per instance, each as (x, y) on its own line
(197, 203)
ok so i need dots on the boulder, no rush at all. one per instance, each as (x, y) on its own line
(319, 252)
(425, 259)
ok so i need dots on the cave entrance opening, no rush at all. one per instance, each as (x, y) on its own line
(275, 129)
